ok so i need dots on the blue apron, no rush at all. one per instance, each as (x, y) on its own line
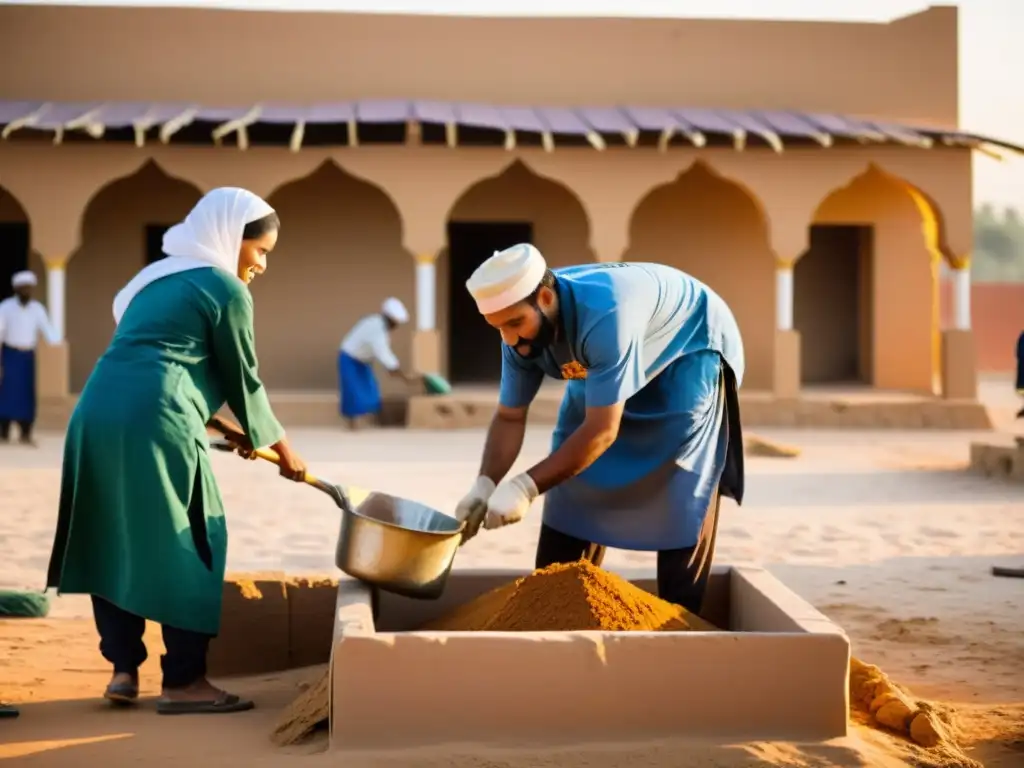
(360, 394)
(631, 497)
(679, 438)
(17, 384)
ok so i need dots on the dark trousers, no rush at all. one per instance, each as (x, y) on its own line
(682, 573)
(24, 426)
(121, 644)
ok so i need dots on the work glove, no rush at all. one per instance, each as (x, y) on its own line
(510, 501)
(473, 506)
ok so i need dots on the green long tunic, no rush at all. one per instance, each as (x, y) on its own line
(141, 520)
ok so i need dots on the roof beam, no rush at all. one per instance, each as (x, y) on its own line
(239, 127)
(26, 121)
(176, 123)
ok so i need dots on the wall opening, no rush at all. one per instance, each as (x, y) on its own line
(832, 305)
(475, 347)
(154, 234)
(14, 248)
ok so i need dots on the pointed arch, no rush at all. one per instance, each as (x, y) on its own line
(112, 248)
(551, 215)
(338, 256)
(897, 273)
(715, 229)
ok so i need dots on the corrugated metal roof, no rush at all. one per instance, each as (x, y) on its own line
(595, 124)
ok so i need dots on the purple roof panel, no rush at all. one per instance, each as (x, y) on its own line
(650, 118)
(899, 133)
(383, 111)
(440, 112)
(709, 120)
(748, 122)
(339, 112)
(481, 116)
(122, 114)
(523, 119)
(564, 121)
(789, 124)
(57, 115)
(17, 110)
(845, 127)
(288, 114)
(605, 119)
(161, 113)
(220, 114)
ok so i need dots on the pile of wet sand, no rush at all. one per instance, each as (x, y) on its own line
(569, 598)
(877, 701)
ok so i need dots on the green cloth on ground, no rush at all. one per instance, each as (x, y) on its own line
(436, 384)
(23, 605)
(141, 520)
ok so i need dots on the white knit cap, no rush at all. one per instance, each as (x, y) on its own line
(509, 276)
(395, 309)
(25, 277)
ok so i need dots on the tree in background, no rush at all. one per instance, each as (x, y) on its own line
(998, 245)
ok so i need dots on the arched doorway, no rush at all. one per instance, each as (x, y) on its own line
(15, 240)
(714, 230)
(866, 292)
(117, 234)
(517, 205)
(832, 304)
(339, 256)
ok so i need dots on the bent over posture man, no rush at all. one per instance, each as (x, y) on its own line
(648, 434)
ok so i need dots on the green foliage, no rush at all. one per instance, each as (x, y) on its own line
(998, 245)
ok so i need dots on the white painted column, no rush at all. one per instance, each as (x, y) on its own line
(962, 298)
(56, 296)
(426, 292)
(783, 295)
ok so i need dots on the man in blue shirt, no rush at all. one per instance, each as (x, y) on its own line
(649, 431)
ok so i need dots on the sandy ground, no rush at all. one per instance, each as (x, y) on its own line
(880, 531)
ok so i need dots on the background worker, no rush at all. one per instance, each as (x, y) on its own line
(369, 340)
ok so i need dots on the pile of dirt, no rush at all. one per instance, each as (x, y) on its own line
(567, 598)
(305, 714)
(768, 449)
(880, 702)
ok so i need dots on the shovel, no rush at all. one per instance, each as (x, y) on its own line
(398, 545)
(336, 492)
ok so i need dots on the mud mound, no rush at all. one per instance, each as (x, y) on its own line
(762, 448)
(881, 703)
(566, 598)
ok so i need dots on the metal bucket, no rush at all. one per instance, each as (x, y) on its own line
(398, 545)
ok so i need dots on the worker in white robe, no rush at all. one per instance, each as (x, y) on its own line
(369, 340)
(22, 321)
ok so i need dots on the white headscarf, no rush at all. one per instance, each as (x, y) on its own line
(395, 309)
(24, 278)
(210, 236)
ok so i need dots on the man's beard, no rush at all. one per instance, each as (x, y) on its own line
(545, 337)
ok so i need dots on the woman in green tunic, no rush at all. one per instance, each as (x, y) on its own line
(141, 525)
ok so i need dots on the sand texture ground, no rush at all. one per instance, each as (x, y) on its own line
(880, 531)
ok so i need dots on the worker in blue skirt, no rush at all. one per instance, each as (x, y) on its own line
(22, 321)
(369, 340)
(648, 436)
